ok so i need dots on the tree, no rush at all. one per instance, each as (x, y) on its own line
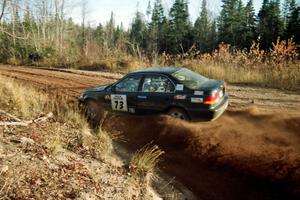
(230, 21)
(119, 36)
(84, 37)
(157, 28)
(288, 8)
(213, 35)
(180, 27)
(270, 23)
(3, 6)
(110, 30)
(138, 32)
(202, 30)
(247, 31)
(290, 18)
(149, 10)
(99, 34)
(293, 26)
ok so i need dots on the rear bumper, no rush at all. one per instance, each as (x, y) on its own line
(209, 114)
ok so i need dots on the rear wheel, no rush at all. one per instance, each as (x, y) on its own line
(178, 113)
(93, 113)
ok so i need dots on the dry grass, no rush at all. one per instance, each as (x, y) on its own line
(264, 77)
(145, 160)
(63, 149)
(24, 101)
(142, 167)
(278, 68)
(27, 102)
(58, 151)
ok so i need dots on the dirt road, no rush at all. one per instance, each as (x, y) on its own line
(245, 154)
(74, 81)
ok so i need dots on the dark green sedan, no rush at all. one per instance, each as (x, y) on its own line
(178, 92)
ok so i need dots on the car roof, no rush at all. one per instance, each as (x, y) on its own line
(164, 70)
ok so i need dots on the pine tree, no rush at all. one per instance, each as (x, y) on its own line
(270, 23)
(230, 21)
(118, 35)
(285, 11)
(293, 26)
(213, 35)
(291, 19)
(110, 30)
(156, 28)
(276, 25)
(180, 27)
(239, 26)
(288, 7)
(248, 26)
(158, 16)
(138, 32)
(149, 10)
(262, 27)
(202, 34)
(98, 34)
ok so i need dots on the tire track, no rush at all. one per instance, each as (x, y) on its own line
(68, 83)
(63, 78)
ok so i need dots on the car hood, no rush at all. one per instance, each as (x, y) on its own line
(98, 89)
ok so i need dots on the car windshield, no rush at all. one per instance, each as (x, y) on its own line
(189, 78)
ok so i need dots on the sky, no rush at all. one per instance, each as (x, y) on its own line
(99, 11)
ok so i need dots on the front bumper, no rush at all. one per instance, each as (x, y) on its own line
(209, 114)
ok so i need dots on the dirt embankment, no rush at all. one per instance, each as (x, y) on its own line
(242, 155)
(245, 154)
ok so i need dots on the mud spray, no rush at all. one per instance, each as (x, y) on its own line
(242, 155)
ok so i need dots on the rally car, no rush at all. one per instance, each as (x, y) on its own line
(178, 92)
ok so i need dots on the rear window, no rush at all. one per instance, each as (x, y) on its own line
(189, 78)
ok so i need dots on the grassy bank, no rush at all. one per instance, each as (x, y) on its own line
(61, 157)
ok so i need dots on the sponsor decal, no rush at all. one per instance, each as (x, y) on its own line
(119, 102)
(142, 97)
(179, 87)
(196, 100)
(180, 97)
(198, 93)
(131, 110)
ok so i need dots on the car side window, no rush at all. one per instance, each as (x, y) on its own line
(130, 84)
(157, 83)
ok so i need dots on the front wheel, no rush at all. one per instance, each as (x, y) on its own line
(178, 113)
(92, 113)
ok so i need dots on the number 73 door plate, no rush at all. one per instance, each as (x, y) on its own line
(119, 102)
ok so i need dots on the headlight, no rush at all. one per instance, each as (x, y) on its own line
(81, 97)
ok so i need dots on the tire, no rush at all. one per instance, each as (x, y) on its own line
(178, 113)
(92, 113)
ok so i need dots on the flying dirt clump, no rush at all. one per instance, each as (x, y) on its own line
(263, 146)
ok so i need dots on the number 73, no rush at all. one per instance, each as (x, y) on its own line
(119, 105)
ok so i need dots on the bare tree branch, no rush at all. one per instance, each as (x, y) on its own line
(3, 9)
(10, 116)
(26, 123)
(14, 36)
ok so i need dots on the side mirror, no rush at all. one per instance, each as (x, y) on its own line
(113, 88)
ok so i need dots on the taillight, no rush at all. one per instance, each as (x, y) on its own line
(212, 98)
